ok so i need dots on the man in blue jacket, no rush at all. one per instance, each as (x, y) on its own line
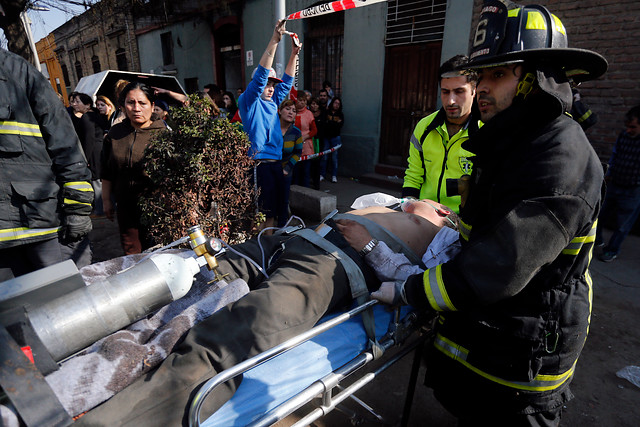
(258, 107)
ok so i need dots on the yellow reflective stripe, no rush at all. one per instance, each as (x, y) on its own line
(78, 185)
(513, 13)
(17, 128)
(535, 21)
(74, 202)
(584, 117)
(573, 248)
(559, 25)
(435, 290)
(464, 229)
(539, 383)
(9, 234)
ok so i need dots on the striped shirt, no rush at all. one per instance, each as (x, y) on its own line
(292, 147)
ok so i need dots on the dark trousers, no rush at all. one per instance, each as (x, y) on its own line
(624, 203)
(476, 401)
(134, 237)
(304, 284)
(23, 259)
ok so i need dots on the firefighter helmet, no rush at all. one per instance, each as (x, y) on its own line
(510, 33)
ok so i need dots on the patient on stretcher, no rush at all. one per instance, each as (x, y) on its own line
(300, 282)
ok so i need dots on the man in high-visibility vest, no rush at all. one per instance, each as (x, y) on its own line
(45, 193)
(436, 153)
(514, 304)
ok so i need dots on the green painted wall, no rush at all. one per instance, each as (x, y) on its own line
(362, 82)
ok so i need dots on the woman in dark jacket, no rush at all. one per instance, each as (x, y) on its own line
(123, 167)
(90, 130)
(334, 119)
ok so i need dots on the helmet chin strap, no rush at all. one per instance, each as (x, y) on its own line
(526, 85)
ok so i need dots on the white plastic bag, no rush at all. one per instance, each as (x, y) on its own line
(375, 199)
(631, 373)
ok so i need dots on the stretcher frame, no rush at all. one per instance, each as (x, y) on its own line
(399, 330)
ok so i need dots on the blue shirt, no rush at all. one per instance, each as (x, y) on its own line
(260, 117)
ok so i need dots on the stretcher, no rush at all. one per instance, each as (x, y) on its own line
(275, 383)
(314, 365)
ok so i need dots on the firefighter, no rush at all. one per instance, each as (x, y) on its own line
(45, 193)
(514, 305)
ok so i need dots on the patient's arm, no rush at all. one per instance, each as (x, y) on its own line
(388, 265)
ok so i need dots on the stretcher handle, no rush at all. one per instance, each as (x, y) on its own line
(240, 368)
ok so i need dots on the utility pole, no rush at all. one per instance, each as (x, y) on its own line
(280, 14)
(26, 23)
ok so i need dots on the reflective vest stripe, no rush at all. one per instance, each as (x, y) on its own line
(416, 142)
(17, 128)
(78, 185)
(9, 234)
(435, 290)
(74, 202)
(539, 383)
(577, 242)
(464, 229)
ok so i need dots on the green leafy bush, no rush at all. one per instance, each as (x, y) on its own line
(201, 175)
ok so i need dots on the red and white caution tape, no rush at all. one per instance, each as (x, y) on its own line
(322, 153)
(334, 6)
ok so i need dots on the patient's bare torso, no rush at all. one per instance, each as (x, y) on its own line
(415, 231)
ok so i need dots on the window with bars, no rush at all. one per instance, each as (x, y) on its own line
(413, 21)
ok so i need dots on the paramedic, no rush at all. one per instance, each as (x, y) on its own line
(304, 282)
(258, 107)
(45, 193)
(436, 151)
(515, 303)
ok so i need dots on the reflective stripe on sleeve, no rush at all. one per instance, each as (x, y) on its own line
(539, 383)
(464, 229)
(10, 234)
(17, 128)
(416, 143)
(78, 185)
(74, 202)
(435, 290)
(577, 242)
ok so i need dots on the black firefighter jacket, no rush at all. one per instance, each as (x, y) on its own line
(43, 172)
(515, 303)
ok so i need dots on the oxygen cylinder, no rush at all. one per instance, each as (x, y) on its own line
(76, 320)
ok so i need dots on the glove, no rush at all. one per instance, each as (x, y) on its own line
(391, 293)
(75, 227)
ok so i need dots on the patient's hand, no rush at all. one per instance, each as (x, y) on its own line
(354, 233)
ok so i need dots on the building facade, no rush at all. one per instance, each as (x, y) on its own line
(381, 59)
(102, 38)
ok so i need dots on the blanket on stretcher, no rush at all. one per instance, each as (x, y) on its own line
(97, 373)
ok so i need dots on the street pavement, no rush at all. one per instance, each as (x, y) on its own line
(601, 398)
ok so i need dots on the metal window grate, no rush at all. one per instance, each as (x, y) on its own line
(411, 21)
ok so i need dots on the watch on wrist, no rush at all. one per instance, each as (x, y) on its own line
(368, 247)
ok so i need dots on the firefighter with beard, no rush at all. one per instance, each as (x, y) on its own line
(514, 305)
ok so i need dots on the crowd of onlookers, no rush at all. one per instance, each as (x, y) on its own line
(115, 133)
